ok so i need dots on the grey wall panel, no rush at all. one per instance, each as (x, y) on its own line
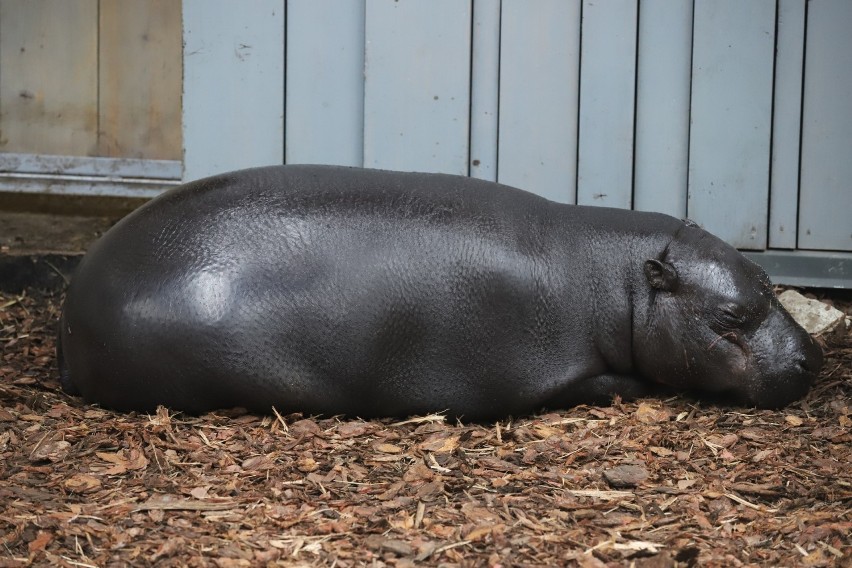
(539, 94)
(417, 92)
(607, 103)
(663, 75)
(233, 98)
(786, 124)
(485, 89)
(325, 82)
(731, 106)
(825, 208)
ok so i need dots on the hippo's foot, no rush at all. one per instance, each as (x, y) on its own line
(601, 389)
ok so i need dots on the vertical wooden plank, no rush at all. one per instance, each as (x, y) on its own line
(539, 93)
(607, 103)
(732, 67)
(48, 76)
(663, 79)
(786, 124)
(417, 91)
(233, 98)
(325, 82)
(825, 206)
(485, 89)
(140, 79)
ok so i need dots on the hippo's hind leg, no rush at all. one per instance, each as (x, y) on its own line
(601, 389)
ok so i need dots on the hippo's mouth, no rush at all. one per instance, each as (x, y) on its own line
(776, 392)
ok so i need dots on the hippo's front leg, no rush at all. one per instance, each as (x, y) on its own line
(600, 390)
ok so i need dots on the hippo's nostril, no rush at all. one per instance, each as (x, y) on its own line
(809, 364)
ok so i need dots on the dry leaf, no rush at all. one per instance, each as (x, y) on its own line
(440, 443)
(762, 455)
(200, 492)
(648, 414)
(352, 429)
(793, 420)
(305, 428)
(40, 541)
(82, 483)
(259, 463)
(307, 464)
(479, 532)
(660, 451)
(51, 451)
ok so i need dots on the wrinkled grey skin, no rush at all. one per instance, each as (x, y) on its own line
(368, 293)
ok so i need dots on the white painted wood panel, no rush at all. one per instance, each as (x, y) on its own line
(825, 208)
(233, 94)
(664, 78)
(539, 93)
(786, 124)
(325, 82)
(485, 89)
(417, 91)
(607, 103)
(732, 70)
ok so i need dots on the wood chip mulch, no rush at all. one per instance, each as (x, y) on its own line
(653, 483)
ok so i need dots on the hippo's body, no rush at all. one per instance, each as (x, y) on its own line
(369, 293)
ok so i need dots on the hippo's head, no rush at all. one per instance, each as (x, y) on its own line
(712, 323)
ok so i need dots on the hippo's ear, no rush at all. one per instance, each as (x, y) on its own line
(661, 275)
(690, 223)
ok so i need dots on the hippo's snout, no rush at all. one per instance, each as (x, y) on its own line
(787, 361)
(812, 360)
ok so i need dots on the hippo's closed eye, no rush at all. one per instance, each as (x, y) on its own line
(730, 316)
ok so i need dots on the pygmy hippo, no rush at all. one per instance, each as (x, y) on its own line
(335, 290)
